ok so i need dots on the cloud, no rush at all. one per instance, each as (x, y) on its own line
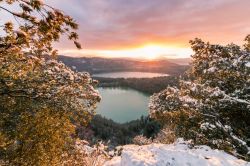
(111, 24)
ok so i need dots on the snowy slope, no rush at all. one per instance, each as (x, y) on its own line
(177, 154)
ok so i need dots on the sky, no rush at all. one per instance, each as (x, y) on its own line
(152, 28)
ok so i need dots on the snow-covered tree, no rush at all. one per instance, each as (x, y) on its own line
(41, 99)
(212, 105)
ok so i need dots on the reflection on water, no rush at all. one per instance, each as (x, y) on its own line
(130, 75)
(122, 105)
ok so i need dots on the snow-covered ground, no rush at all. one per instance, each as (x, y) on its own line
(177, 154)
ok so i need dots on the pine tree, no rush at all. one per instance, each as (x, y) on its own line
(212, 105)
(41, 99)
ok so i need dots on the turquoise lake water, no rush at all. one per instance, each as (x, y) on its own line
(122, 104)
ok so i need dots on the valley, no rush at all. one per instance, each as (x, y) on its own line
(124, 83)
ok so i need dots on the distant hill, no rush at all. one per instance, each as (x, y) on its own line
(95, 65)
(181, 61)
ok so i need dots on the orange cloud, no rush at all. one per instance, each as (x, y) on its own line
(119, 24)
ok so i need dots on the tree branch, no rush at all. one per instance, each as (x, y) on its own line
(11, 12)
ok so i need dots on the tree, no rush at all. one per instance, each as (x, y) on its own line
(41, 99)
(212, 105)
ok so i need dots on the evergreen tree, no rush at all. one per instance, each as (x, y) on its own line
(41, 100)
(212, 105)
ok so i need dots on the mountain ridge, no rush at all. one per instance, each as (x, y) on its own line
(95, 65)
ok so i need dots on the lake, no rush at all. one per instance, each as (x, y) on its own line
(122, 104)
(130, 75)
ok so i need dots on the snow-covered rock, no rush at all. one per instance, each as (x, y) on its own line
(177, 154)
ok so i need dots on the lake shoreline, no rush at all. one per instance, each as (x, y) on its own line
(130, 74)
(148, 86)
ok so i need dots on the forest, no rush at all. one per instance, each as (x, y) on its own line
(145, 85)
(115, 134)
(95, 65)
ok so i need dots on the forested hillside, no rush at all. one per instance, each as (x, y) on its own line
(114, 134)
(145, 85)
(105, 65)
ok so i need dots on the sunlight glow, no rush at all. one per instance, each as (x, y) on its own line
(147, 52)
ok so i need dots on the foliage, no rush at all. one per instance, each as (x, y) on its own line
(41, 99)
(212, 106)
(37, 26)
(85, 155)
(119, 134)
(164, 136)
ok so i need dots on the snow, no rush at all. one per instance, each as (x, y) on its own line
(21, 33)
(177, 154)
(212, 69)
(206, 126)
(188, 99)
(193, 89)
(247, 64)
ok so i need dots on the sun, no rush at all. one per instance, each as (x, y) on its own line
(151, 52)
(145, 52)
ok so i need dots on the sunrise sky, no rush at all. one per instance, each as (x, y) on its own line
(152, 28)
